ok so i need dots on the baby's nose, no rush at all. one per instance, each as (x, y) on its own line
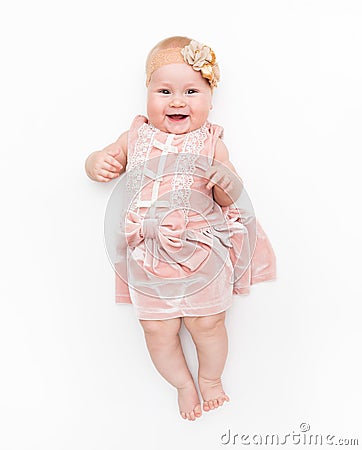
(177, 102)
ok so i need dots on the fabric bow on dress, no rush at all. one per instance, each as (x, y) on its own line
(164, 242)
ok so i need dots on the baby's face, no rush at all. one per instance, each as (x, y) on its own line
(179, 99)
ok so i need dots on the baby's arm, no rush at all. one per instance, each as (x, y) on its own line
(226, 183)
(109, 163)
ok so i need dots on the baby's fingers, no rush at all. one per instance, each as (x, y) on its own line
(210, 175)
(216, 178)
(106, 175)
(113, 164)
(110, 167)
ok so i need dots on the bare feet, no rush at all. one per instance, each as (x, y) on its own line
(189, 402)
(212, 393)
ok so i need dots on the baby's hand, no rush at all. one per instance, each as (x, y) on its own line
(219, 174)
(102, 165)
(223, 178)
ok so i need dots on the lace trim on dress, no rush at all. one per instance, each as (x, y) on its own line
(182, 180)
(139, 156)
(185, 168)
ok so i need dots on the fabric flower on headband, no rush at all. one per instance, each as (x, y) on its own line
(203, 59)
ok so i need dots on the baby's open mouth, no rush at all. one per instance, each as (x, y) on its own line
(177, 117)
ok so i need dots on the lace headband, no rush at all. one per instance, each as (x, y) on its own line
(197, 55)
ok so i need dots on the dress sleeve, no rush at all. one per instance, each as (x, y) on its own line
(217, 132)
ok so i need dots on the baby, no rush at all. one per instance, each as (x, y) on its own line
(174, 228)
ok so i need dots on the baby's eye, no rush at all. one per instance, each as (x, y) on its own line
(191, 91)
(164, 91)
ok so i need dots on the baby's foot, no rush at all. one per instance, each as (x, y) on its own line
(189, 402)
(212, 393)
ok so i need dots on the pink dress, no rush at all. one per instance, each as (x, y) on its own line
(180, 253)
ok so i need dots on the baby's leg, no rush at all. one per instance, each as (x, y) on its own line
(210, 338)
(164, 346)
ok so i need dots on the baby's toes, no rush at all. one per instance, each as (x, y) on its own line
(197, 411)
(205, 406)
(208, 405)
(213, 404)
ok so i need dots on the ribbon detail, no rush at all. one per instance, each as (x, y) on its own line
(164, 241)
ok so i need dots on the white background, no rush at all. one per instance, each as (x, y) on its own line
(75, 373)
